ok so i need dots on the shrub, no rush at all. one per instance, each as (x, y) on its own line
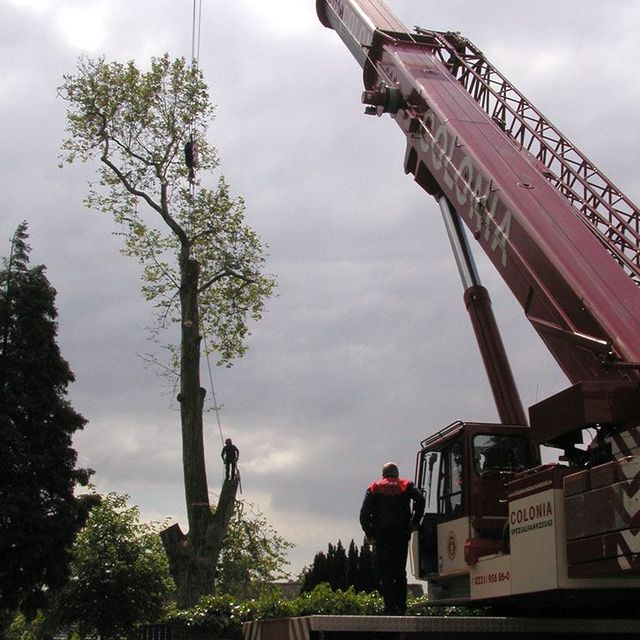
(222, 616)
(324, 601)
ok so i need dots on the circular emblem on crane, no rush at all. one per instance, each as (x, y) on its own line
(452, 545)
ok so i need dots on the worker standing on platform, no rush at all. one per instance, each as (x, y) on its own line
(387, 518)
(230, 455)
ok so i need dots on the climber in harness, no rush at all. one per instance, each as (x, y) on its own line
(191, 159)
(230, 455)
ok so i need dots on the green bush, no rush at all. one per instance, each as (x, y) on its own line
(222, 616)
(324, 601)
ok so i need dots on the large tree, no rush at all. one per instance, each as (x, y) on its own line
(39, 514)
(203, 266)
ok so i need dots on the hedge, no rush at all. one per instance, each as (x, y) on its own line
(222, 616)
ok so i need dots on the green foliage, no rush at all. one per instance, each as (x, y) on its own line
(136, 123)
(39, 514)
(23, 629)
(253, 555)
(120, 574)
(323, 600)
(222, 616)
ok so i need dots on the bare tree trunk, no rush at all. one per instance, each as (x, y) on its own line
(194, 572)
(193, 557)
(191, 400)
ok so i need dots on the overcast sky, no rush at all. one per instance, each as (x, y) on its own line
(367, 348)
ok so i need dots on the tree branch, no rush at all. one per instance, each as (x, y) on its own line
(161, 208)
(223, 274)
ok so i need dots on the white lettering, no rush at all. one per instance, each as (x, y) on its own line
(501, 235)
(469, 185)
(435, 157)
(448, 165)
(351, 24)
(465, 173)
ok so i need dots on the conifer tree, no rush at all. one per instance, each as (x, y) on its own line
(39, 514)
(352, 564)
(338, 566)
(367, 575)
(341, 570)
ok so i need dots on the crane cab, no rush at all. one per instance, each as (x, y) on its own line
(463, 471)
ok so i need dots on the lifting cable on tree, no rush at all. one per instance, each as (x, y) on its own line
(191, 160)
(191, 146)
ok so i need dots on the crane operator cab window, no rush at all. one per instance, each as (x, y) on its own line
(497, 455)
(443, 484)
(441, 480)
(450, 500)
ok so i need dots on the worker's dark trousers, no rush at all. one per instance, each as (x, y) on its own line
(391, 549)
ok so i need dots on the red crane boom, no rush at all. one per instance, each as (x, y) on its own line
(556, 229)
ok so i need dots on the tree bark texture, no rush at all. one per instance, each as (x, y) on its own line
(194, 570)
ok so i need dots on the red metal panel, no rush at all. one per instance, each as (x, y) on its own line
(382, 17)
(588, 403)
(357, 21)
(563, 277)
(610, 545)
(561, 274)
(604, 475)
(604, 510)
(606, 567)
(576, 483)
(532, 481)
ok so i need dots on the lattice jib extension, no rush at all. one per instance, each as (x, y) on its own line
(598, 203)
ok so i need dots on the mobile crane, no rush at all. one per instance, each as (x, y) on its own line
(500, 526)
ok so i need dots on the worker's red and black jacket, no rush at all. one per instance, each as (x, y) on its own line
(387, 507)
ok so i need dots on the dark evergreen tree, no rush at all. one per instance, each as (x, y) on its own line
(39, 514)
(316, 574)
(353, 557)
(341, 570)
(367, 575)
(337, 559)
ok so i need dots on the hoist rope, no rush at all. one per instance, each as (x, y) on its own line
(216, 408)
(195, 56)
(195, 31)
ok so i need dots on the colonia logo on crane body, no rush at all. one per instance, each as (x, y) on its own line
(531, 517)
(470, 187)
